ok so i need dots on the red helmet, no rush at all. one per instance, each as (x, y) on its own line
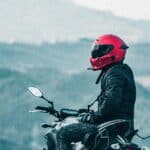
(107, 49)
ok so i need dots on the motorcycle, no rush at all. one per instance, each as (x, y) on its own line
(110, 135)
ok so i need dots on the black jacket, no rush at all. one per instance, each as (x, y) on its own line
(118, 94)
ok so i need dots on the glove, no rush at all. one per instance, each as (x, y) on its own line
(92, 118)
(86, 118)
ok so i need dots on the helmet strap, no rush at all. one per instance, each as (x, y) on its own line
(99, 77)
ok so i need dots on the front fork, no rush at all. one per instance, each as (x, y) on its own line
(50, 141)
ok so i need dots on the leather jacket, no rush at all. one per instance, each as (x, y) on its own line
(118, 94)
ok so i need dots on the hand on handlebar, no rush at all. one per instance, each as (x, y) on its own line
(86, 117)
(91, 117)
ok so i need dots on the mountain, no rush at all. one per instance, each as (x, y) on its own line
(66, 56)
(59, 70)
(59, 20)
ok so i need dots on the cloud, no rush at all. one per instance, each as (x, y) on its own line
(135, 9)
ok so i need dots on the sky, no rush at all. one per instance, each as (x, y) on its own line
(42, 20)
(135, 9)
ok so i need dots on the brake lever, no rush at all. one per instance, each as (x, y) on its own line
(35, 111)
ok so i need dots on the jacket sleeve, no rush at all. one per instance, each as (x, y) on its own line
(111, 96)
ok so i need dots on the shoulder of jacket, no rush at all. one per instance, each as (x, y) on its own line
(117, 68)
(120, 69)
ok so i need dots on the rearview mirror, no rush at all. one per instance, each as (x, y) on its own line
(35, 91)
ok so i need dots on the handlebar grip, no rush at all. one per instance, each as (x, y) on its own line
(42, 108)
(50, 110)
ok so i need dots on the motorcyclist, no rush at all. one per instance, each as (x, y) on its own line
(118, 93)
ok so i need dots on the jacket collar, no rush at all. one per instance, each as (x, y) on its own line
(104, 70)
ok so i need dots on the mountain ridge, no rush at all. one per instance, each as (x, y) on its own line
(56, 26)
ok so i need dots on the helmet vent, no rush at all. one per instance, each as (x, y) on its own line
(113, 58)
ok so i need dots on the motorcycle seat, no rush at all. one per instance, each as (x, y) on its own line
(106, 130)
(118, 126)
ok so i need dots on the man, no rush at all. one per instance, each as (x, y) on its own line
(118, 92)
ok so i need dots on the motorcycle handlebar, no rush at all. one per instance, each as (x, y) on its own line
(50, 110)
(42, 108)
(63, 113)
(83, 110)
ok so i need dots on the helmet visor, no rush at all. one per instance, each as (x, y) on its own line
(101, 50)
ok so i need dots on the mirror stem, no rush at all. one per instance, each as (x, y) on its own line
(50, 102)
